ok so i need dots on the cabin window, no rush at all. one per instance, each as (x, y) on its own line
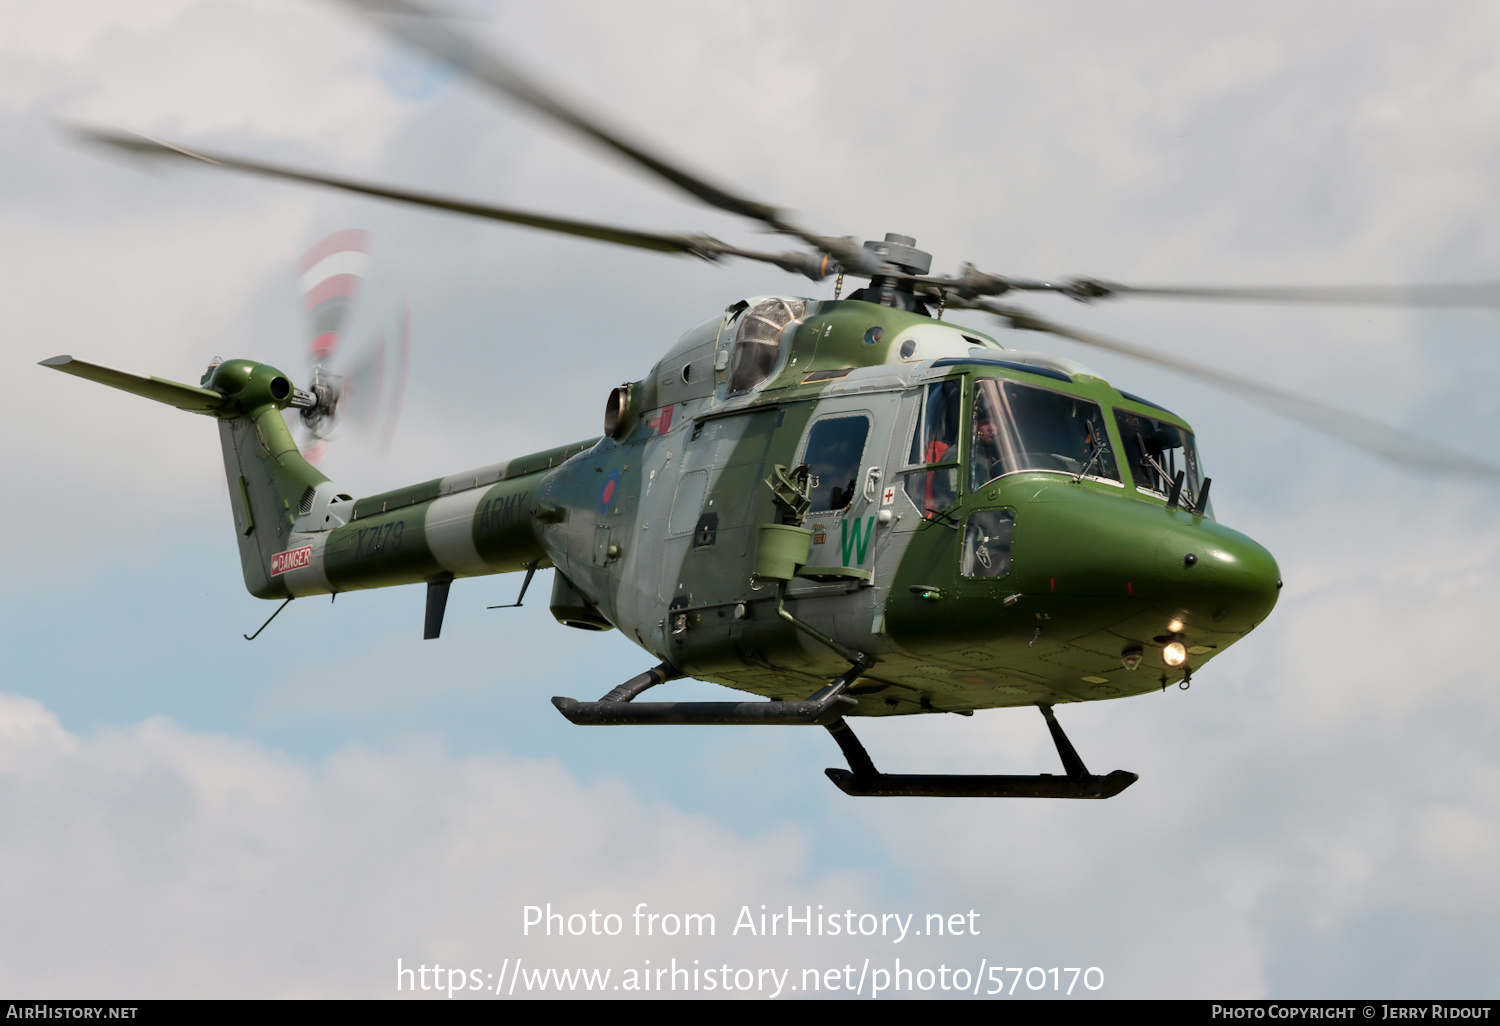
(1156, 451)
(1022, 427)
(835, 447)
(935, 441)
(757, 341)
(987, 543)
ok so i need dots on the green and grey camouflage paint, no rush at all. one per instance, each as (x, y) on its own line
(655, 531)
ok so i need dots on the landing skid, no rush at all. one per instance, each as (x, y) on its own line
(865, 781)
(827, 708)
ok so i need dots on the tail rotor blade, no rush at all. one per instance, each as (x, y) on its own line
(401, 365)
(375, 382)
(364, 383)
(315, 450)
(330, 274)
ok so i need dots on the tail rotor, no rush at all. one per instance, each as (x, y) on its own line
(366, 387)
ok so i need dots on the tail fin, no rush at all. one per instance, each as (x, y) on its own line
(270, 484)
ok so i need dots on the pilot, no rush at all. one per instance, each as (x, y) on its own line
(986, 457)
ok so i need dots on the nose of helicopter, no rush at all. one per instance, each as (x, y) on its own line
(1210, 570)
(1071, 542)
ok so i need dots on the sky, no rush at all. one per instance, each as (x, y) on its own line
(183, 814)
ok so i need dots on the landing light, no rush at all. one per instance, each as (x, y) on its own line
(1174, 654)
(1174, 626)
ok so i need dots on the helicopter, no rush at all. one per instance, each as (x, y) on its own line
(849, 508)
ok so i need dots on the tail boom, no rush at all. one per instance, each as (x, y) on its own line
(299, 535)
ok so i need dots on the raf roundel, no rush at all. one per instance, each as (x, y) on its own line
(607, 494)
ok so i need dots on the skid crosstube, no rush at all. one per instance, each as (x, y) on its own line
(863, 780)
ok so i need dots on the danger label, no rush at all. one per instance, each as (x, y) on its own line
(291, 559)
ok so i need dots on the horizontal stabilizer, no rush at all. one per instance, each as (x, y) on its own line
(173, 393)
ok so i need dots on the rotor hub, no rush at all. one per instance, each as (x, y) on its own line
(900, 252)
(894, 258)
(319, 414)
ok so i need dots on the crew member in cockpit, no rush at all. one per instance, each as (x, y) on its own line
(986, 450)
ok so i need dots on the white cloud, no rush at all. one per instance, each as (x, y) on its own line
(154, 861)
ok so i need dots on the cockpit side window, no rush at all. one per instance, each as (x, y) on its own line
(935, 441)
(1156, 451)
(757, 341)
(1022, 427)
(936, 437)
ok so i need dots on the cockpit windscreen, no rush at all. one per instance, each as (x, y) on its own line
(1156, 451)
(1021, 427)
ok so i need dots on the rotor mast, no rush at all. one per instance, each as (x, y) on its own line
(899, 254)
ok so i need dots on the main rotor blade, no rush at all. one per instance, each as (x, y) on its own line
(1405, 450)
(1481, 295)
(426, 31)
(140, 144)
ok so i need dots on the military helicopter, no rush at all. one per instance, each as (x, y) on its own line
(848, 507)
